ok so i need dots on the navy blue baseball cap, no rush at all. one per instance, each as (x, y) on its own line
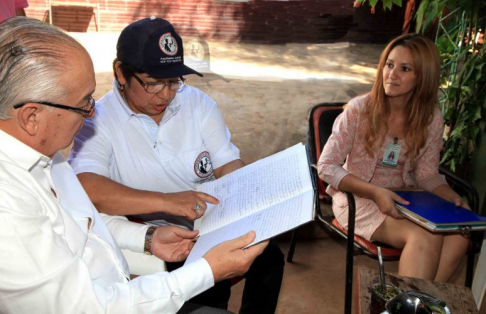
(153, 46)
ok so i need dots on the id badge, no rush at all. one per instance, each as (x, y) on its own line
(392, 152)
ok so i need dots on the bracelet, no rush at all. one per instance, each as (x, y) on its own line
(148, 240)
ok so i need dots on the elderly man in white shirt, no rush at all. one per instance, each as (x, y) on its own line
(58, 254)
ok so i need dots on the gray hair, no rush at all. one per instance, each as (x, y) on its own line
(31, 59)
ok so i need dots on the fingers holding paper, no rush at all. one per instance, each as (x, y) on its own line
(228, 259)
(459, 202)
(447, 193)
(172, 244)
(189, 204)
(385, 200)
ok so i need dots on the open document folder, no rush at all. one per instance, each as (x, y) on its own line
(270, 196)
(436, 214)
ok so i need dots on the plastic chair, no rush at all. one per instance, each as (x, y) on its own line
(321, 119)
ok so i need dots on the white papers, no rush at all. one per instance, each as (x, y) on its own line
(270, 196)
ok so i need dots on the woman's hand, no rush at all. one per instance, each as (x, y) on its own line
(459, 202)
(385, 200)
(184, 204)
(447, 193)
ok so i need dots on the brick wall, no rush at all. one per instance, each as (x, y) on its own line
(255, 20)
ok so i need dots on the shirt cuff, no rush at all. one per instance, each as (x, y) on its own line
(194, 278)
(129, 235)
(433, 181)
(334, 175)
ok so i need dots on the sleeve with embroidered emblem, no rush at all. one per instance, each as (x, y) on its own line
(215, 134)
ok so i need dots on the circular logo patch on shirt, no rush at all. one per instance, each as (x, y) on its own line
(202, 166)
(168, 44)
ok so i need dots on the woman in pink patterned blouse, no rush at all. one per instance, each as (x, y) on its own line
(400, 116)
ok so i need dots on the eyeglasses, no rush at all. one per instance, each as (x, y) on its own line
(157, 87)
(86, 111)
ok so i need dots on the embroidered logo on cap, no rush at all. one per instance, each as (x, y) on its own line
(202, 166)
(168, 44)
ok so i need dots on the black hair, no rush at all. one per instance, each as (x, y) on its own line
(126, 69)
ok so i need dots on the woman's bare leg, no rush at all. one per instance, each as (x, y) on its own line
(453, 251)
(421, 249)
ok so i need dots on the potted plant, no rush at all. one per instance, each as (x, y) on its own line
(459, 38)
(457, 26)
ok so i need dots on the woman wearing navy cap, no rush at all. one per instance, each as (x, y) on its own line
(153, 140)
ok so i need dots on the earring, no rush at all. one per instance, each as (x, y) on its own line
(121, 88)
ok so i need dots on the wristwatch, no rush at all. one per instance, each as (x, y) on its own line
(148, 240)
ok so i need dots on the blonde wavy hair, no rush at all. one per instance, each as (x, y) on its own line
(423, 100)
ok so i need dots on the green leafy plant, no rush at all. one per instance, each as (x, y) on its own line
(459, 26)
(387, 4)
(458, 29)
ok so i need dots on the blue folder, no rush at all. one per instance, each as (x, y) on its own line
(437, 214)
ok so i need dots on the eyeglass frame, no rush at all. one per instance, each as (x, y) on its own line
(85, 113)
(145, 85)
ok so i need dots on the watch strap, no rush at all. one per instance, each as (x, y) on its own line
(148, 240)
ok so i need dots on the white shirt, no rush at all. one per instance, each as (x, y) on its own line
(51, 262)
(191, 141)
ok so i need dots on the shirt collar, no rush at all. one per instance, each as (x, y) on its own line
(21, 154)
(126, 113)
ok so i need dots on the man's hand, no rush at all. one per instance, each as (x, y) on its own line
(385, 199)
(228, 260)
(172, 244)
(183, 204)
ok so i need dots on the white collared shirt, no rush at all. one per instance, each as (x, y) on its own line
(191, 141)
(52, 262)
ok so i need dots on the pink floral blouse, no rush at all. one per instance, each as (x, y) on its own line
(346, 144)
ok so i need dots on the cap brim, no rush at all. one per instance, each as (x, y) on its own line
(170, 71)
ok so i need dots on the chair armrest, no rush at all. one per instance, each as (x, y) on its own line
(351, 214)
(462, 187)
(349, 252)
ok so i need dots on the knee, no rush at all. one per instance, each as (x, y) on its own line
(426, 242)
